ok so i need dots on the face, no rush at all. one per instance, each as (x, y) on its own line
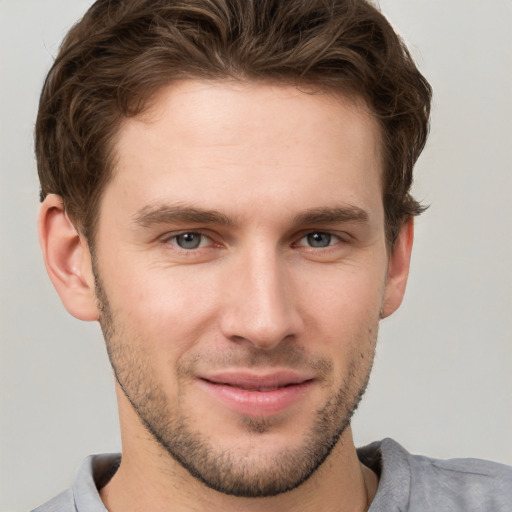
(241, 268)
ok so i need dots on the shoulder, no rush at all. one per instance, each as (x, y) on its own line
(414, 482)
(94, 472)
(471, 484)
(61, 503)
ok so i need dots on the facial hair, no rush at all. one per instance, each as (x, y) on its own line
(224, 468)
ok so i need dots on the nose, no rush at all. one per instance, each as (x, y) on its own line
(261, 304)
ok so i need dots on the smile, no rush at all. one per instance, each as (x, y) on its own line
(257, 396)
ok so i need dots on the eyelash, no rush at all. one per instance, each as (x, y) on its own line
(330, 236)
(173, 240)
(338, 238)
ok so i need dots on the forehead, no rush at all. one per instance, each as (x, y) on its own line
(255, 112)
(224, 144)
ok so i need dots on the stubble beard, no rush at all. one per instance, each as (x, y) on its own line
(219, 467)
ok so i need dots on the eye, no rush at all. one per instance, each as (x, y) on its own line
(318, 239)
(190, 240)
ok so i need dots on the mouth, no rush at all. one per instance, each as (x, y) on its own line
(257, 395)
(255, 382)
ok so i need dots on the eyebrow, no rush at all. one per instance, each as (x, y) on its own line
(163, 214)
(332, 215)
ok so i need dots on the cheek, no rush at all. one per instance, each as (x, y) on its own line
(346, 288)
(173, 308)
(162, 306)
(344, 305)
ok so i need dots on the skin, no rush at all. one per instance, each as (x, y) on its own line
(292, 273)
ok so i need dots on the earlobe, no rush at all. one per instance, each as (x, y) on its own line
(398, 270)
(67, 260)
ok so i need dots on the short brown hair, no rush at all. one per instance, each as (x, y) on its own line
(123, 51)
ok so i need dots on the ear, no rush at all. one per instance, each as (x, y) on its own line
(67, 259)
(398, 269)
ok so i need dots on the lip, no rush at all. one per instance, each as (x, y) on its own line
(257, 395)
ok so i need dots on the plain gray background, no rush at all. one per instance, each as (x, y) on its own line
(442, 383)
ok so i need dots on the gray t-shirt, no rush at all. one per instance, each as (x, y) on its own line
(407, 483)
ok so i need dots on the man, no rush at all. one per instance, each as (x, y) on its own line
(225, 188)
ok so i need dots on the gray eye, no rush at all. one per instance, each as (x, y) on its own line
(189, 240)
(319, 239)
